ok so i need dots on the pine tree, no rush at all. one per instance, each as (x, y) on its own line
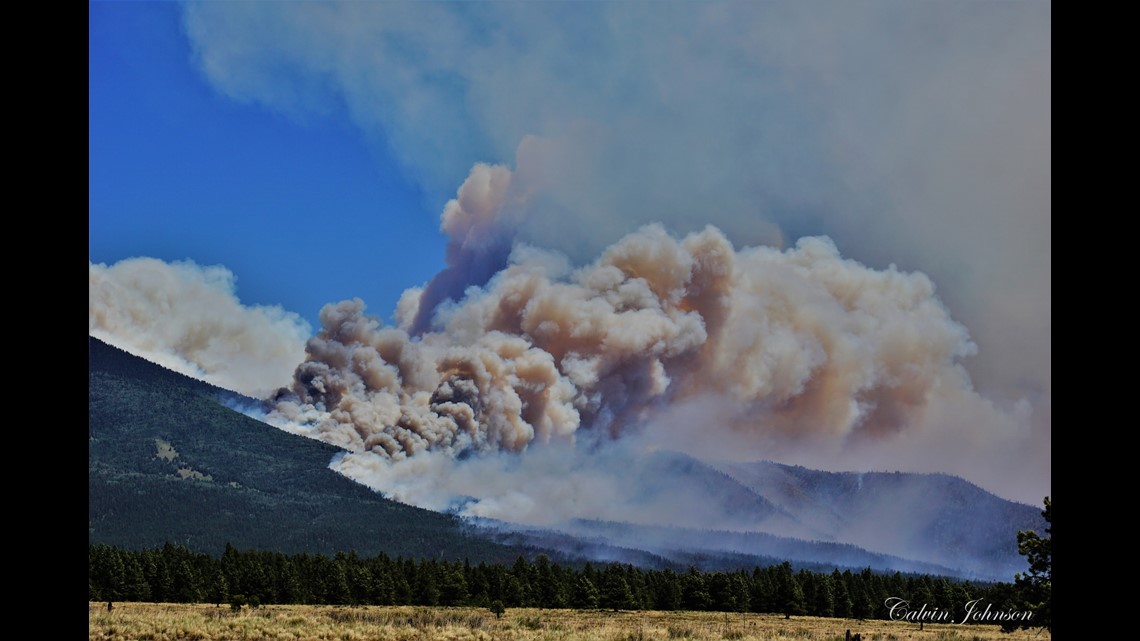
(219, 589)
(862, 606)
(521, 571)
(823, 596)
(1035, 589)
(548, 590)
(187, 583)
(843, 604)
(694, 591)
(135, 586)
(722, 592)
(427, 586)
(586, 594)
(453, 587)
(106, 570)
(289, 586)
(761, 597)
(337, 589)
(616, 594)
(667, 591)
(789, 592)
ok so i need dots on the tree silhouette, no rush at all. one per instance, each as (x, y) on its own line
(1035, 588)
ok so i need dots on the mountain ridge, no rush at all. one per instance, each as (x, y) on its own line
(168, 462)
(934, 517)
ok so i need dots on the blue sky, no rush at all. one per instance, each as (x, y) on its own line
(300, 207)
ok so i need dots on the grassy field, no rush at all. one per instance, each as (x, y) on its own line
(168, 622)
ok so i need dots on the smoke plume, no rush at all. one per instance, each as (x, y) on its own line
(801, 341)
(187, 317)
(914, 134)
(663, 342)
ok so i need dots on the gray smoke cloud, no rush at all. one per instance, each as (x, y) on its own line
(685, 344)
(188, 318)
(910, 133)
(916, 136)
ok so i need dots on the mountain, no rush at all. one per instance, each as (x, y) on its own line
(933, 518)
(678, 548)
(169, 462)
(762, 511)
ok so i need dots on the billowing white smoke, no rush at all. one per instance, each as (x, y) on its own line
(186, 317)
(802, 340)
(799, 343)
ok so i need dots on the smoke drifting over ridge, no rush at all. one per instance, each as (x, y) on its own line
(186, 317)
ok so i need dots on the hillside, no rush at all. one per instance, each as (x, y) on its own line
(168, 462)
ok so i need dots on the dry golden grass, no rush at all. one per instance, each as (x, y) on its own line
(169, 622)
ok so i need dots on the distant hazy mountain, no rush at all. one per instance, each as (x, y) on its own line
(934, 518)
(922, 523)
(711, 550)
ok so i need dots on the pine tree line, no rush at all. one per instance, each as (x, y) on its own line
(176, 574)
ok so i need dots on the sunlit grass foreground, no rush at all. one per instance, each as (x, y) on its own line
(168, 622)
